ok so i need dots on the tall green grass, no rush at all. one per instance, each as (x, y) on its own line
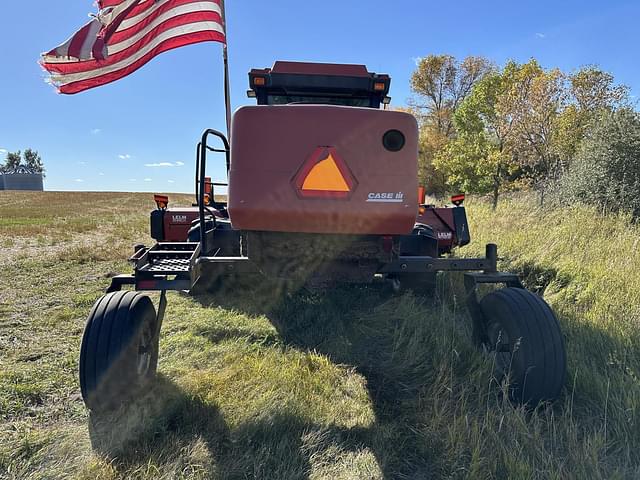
(587, 265)
(350, 383)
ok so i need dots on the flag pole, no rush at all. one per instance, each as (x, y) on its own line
(227, 83)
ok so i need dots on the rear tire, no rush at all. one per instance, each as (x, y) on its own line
(119, 352)
(524, 333)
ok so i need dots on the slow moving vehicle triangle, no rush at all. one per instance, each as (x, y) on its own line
(325, 175)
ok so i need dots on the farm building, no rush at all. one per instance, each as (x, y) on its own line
(22, 179)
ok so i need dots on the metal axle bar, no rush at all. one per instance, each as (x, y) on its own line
(431, 264)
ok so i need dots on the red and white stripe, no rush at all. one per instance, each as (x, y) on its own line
(125, 35)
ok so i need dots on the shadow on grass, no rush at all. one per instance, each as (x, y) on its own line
(164, 426)
(350, 325)
(181, 435)
(334, 323)
(156, 426)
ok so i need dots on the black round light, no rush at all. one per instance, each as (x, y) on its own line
(394, 140)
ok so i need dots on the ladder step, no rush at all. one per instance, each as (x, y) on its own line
(176, 246)
(168, 258)
(184, 253)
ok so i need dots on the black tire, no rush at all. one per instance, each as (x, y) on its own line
(525, 335)
(119, 352)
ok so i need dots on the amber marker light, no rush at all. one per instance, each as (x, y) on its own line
(162, 201)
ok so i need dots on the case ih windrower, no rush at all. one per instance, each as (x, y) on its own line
(322, 189)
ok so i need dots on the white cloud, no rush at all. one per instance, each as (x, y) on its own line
(133, 180)
(79, 180)
(3, 151)
(158, 165)
(124, 156)
(82, 163)
(148, 180)
(541, 35)
(171, 181)
(96, 131)
(164, 165)
(101, 174)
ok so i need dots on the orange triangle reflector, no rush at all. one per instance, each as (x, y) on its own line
(324, 175)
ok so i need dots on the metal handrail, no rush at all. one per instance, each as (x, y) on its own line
(201, 167)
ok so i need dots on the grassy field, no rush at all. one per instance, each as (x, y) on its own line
(353, 383)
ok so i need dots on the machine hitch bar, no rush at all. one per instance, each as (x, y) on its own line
(479, 271)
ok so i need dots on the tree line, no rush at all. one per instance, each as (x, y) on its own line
(30, 159)
(487, 129)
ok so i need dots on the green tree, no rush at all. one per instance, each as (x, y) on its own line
(487, 117)
(440, 84)
(567, 135)
(522, 125)
(516, 116)
(606, 171)
(12, 162)
(468, 163)
(592, 93)
(595, 90)
(431, 143)
(33, 161)
(30, 159)
(542, 97)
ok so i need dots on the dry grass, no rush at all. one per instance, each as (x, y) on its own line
(354, 383)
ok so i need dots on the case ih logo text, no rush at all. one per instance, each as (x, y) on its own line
(386, 197)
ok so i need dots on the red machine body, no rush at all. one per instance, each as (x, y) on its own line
(318, 155)
(275, 150)
(177, 222)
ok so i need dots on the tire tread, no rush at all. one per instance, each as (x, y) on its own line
(106, 370)
(542, 344)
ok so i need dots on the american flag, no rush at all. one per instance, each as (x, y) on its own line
(125, 35)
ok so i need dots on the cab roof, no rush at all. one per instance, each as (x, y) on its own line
(308, 68)
(321, 80)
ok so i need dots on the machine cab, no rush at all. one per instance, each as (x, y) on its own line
(319, 83)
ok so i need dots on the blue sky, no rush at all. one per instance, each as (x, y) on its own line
(110, 138)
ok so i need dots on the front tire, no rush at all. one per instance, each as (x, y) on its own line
(524, 333)
(119, 352)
